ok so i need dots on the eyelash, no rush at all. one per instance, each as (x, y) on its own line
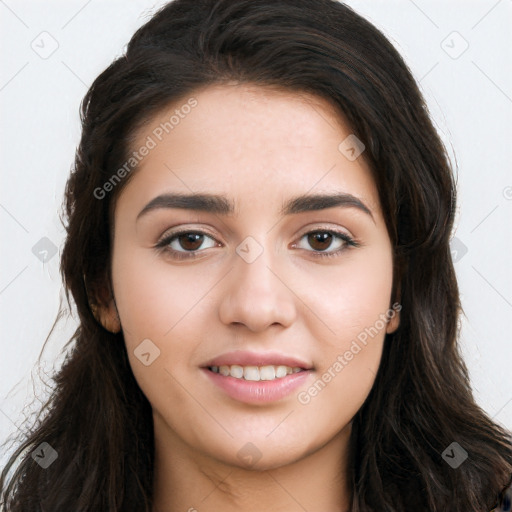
(163, 244)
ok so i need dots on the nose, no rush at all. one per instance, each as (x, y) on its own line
(257, 294)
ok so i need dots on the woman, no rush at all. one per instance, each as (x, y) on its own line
(258, 248)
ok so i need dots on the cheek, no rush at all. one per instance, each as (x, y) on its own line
(165, 308)
(153, 301)
(352, 296)
(351, 309)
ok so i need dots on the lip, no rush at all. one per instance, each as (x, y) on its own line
(247, 358)
(258, 392)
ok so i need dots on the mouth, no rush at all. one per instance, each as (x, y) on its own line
(256, 385)
(256, 373)
(256, 377)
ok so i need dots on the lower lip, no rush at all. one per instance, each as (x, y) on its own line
(258, 392)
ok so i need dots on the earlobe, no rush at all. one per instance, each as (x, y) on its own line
(103, 308)
(394, 317)
(393, 323)
(107, 316)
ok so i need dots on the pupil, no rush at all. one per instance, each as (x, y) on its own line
(195, 239)
(322, 238)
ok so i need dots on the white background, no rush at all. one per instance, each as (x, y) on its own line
(470, 98)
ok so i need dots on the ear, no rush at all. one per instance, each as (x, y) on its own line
(103, 306)
(394, 320)
(396, 296)
(107, 316)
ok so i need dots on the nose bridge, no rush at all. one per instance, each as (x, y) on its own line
(253, 266)
(256, 296)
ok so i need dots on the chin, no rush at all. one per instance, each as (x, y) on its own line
(263, 464)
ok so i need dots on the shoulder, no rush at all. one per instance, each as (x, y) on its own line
(504, 500)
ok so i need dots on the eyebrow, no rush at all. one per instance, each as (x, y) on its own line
(221, 205)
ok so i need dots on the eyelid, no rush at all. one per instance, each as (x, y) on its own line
(349, 241)
(324, 227)
(164, 241)
(182, 229)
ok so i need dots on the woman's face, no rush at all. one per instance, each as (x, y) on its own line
(263, 274)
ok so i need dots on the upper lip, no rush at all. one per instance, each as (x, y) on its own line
(247, 358)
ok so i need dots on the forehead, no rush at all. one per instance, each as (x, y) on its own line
(245, 139)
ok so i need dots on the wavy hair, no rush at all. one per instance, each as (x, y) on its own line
(97, 418)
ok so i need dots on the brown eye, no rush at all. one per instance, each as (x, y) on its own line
(190, 241)
(320, 240)
(186, 244)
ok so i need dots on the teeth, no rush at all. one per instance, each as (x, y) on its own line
(237, 371)
(281, 371)
(250, 373)
(267, 373)
(255, 373)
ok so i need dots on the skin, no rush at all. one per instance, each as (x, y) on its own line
(259, 146)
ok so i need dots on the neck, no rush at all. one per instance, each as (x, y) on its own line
(188, 481)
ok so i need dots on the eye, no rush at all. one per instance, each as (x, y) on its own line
(185, 244)
(320, 240)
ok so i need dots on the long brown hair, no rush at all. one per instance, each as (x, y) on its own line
(98, 420)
